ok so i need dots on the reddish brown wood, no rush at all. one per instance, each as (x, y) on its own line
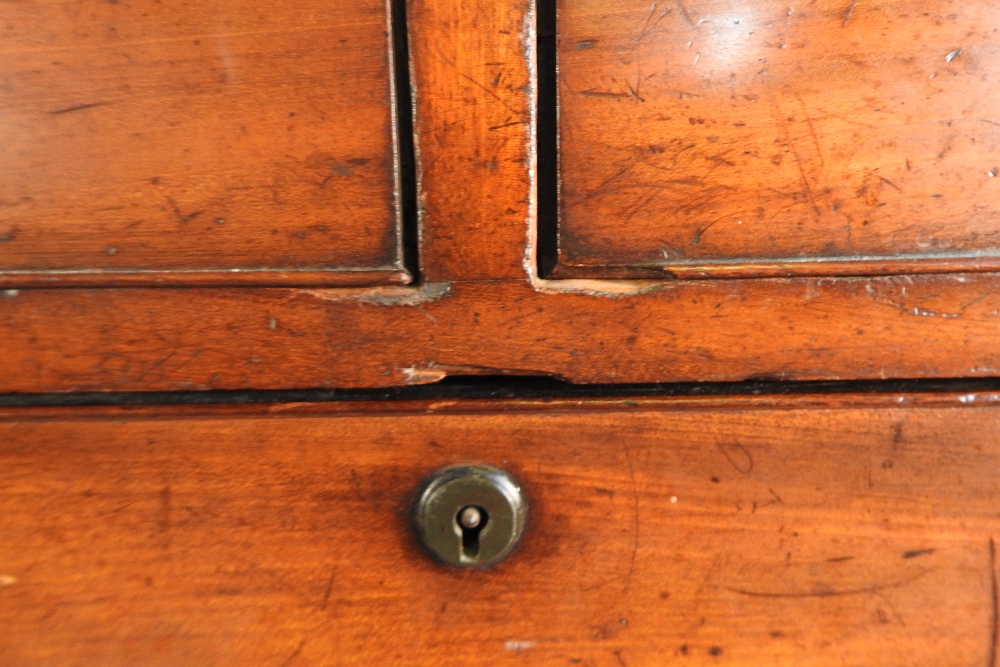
(197, 144)
(473, 89)
(774, 138)
(733, 534)
(875, 328)
(473, 126)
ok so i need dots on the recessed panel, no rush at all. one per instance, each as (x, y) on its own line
(739, 137)
(193, 142)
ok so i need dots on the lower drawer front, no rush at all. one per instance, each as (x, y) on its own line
(741, 532)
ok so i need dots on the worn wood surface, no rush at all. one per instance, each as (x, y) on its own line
(178, 143)
(734, 533)
(480, 308)
(473, 94)
(873, 328)
(777, 137)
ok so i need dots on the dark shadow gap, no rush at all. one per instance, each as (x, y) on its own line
(404, 137)
(548, 138)
(507, 387)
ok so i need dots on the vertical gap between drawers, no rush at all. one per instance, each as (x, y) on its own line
(406, 149)
(548, 138)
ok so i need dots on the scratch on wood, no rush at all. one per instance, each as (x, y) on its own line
(166, 512)
(890, 183)
(739, 457)
(648, 26)
(806, 185)
(294, 654)
(684, 14)
(489, 91)
(78, 107)
(995, 601)
(494, 128)
(182, 217)
(635, 515)
(603, 93)
(829, 593)
(696, 239)
(892, 607)
(917, 552)
(633, 91)
(974, 301)
(812, 132)
(328, 592)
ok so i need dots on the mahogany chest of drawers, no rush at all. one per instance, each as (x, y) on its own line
(718, 282)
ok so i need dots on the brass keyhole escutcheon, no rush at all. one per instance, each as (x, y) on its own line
(469, 515)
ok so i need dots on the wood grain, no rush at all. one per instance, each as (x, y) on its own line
(473, 92)
(197, 144)
(148, 339)
(720, 138)
(731, 534)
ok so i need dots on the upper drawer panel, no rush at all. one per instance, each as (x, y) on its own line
(195, 142)
(758, 137)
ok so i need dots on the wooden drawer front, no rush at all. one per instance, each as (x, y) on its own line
(759, 138)
(197, 143)
(747, 532)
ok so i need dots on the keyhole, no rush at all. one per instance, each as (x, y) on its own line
(471, 519)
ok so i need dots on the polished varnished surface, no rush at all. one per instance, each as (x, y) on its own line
(473, 86)
(178, 142)
(480, 308)
(730, 137)
(703, 532)
(860, 328)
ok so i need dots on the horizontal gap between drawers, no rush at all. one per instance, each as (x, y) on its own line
(503, 387)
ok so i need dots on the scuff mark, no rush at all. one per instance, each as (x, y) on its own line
(416, 375)
(7, 580)
(384, 296)
(606, 288)
(848, 12)
(10, 293)
(519, 645)
(923, 312)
